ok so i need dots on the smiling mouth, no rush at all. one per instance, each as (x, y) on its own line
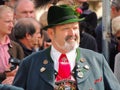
(72, 39)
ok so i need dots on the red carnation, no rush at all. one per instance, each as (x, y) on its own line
(78, 10)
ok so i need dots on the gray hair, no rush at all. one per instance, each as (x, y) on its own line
(19, 1)
(116, 4)
(23, 26)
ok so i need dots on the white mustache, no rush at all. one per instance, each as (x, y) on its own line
(71, 37)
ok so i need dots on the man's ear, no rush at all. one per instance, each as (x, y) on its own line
(28, 36)
(50, 32)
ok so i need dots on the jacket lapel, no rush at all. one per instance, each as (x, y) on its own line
(82, 67)
(47, 72)
(47, 68)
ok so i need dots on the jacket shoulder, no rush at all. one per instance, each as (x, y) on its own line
(92, 55)
(16, 50)
(88, 51)
(37, 56)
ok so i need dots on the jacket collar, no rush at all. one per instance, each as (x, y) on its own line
(82, 69)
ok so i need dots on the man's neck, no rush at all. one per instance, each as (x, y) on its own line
(3, 39)
(25, 44)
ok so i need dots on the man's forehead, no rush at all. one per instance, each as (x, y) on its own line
(6, 15)
(25, 3)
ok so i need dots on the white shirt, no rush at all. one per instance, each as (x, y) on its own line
(56, 54)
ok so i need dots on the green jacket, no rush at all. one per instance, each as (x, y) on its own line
(97, 75)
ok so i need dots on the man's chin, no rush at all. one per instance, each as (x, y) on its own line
(71, 46)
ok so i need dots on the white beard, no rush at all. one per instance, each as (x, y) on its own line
(68, 46)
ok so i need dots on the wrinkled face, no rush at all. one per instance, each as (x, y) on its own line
(65, 37)
(6, 22)
(25, 10)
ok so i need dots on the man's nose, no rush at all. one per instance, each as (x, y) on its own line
(71, 31)
(28, 15)
(11, 24)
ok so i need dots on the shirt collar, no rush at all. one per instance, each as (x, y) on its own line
(55, 54)
(7, 41)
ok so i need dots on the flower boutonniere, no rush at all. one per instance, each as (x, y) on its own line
(78, 11)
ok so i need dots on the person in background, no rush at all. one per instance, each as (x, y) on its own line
(26, 32)
(87, 27)
(24, 9)
(86, 39)
(90, 21)
(115, 11)
(64, 65)
(9, 50)
(115, 8)
(116, 33)
(46, 42)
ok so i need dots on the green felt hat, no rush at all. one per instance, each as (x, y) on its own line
(62, 14)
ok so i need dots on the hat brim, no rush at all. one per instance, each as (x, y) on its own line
(64, 22)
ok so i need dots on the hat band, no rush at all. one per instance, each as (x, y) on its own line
(63, 19)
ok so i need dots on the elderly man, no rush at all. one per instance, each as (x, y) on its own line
(65, 66)
(24, 9)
